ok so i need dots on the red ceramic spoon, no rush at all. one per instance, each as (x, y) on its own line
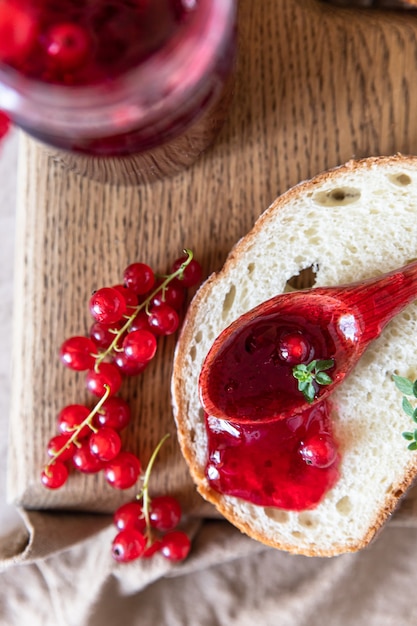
(247, 375)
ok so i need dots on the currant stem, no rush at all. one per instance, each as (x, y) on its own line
(144, 492)
(86, 422)
(113, 347)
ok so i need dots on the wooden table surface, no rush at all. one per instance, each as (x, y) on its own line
(316, 85)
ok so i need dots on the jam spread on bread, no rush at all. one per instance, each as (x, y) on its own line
(289, 463)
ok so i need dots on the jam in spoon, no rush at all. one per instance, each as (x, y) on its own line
(248, 376)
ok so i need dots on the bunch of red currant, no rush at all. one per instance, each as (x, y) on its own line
(149, 525)
(122, 340)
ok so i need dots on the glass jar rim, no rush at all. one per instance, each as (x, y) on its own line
(119, 103)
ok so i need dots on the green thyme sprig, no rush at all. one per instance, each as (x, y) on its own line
(408, 388)
(310, 373)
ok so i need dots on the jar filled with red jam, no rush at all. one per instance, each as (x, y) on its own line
(125, 91)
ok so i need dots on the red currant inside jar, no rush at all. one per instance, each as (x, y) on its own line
(122, 91)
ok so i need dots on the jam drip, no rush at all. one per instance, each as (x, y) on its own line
(290, 463)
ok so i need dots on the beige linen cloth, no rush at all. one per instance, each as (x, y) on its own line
(56, 569)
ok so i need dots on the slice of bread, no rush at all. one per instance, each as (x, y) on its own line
(353, 222)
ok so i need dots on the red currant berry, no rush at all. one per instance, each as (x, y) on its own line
(86, 462)
(293, 347)
(78, 353)
(128, 367)
(107, 374)
(129, 295)
(165, 513)
(319, 451)
(105, 444)
(140, 346)
(104, 334)
(59, 443)
(128, 545)
(68, 45)
(172, 294)
(163, 319)
(107, 305)
(71, 417)
(192, 274)
(140, 322)
(114, 413)
(17, 31)
(130, 515)
(55, 475)
(152, 549)
(139, 277)
(175, 545)
(4, 124)
(123, 471)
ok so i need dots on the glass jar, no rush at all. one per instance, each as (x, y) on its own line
(138, 124)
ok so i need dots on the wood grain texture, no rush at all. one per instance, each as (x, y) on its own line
(316, 86)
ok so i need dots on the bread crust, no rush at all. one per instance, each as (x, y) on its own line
(181, 401)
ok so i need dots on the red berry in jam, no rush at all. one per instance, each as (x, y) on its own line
(4, 124)
(139, 277)
(68, 44)
(55, 475)
(105, 444)
(59, 443)
(71, 417)
(107, 374)
(163, 319)
(175, 545)
(114, 413)
(192, 273)
(319, 451)
(165, 513)
(293, 348)
(107, 305)
(130, 515)
(123, 471)
(17, 31)
(128, 545)
(78, 353)
(140, 346)
(86, 462)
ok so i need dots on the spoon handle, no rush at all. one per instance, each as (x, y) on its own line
(379, 300)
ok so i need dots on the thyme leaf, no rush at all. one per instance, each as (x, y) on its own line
(311, 375)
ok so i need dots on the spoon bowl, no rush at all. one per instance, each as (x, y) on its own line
(248, 374)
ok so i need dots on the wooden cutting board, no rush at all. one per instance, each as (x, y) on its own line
(316, 85)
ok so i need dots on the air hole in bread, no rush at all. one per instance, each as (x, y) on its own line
(192, 435)
(193, 353)
(304, 280)
(307, 520)
(297, 534)
(278, 515)
(337, 197)
(344, 505)
(228, 301)
(251, 268)
(198, 336)
(401, 179)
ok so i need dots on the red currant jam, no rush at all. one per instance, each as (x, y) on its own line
(253, 375)
(290, 463)
(88, 41)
